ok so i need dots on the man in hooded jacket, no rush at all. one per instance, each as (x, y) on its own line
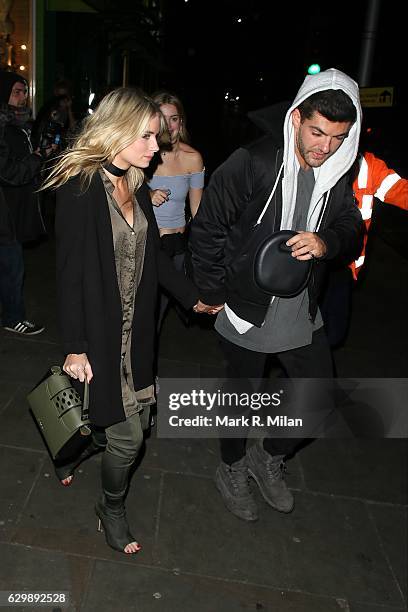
(20, 217)
(313, 197)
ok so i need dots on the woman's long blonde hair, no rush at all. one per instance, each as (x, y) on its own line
(121, 117)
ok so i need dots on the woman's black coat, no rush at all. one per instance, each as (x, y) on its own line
(89, 303)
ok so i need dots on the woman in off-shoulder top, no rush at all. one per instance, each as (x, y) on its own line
(179, 175)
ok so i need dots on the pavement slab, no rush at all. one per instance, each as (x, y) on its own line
(27, 359)
(7, 392)
(347, 557)
(26, 569)
(358, 607)
(19, 472)
(150, 590)
(366, 469)
(18, 425)
(197, 534)
(67, 522)
(199, 456)
(391, 525)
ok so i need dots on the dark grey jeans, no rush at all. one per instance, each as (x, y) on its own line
(125, 439)
(11, 283)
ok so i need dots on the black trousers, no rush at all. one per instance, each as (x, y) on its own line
(311, 361)
(335, 305)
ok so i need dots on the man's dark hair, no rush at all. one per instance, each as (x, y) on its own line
(333, 104)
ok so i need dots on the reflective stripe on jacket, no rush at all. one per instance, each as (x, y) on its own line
(376, 180)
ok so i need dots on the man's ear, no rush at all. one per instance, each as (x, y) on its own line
(296, 118)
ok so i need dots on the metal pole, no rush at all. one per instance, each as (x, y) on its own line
(125, 79)
(33, 58)
(368, 43)
(109, 66)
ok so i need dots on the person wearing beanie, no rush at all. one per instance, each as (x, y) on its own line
(20, 216)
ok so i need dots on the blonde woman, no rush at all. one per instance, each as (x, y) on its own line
(179, 176)
(109, 264)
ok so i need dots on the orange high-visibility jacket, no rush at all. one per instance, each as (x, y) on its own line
(376, 180)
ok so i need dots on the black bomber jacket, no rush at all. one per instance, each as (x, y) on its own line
(230, 206)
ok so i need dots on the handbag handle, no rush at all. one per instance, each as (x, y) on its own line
(85, 430)
(85, 403)
(284, 247)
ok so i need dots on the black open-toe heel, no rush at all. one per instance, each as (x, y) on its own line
(67, 470)
(115, 526)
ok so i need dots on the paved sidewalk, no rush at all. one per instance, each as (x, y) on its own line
(342, 549)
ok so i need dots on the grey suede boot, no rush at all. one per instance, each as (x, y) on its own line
(233, 484)
(267, 471)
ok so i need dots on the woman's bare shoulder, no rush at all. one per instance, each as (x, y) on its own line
(191, 158)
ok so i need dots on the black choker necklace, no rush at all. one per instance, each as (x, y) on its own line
(114, 170)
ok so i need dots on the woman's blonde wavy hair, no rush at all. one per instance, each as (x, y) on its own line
(120, 118)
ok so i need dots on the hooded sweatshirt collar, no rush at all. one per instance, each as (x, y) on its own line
(327, 175)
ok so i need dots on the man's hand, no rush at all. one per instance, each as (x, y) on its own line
(307, 245)
(211, 309)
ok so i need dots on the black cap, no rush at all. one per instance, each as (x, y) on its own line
(7, 80)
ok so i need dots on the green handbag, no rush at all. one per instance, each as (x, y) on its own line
(58, 410)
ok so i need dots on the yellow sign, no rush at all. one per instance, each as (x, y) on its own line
(376, 96)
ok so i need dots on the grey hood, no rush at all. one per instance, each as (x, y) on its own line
(336, 166)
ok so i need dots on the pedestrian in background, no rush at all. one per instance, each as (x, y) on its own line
(371, 178)
(178, 177)
(20, 215)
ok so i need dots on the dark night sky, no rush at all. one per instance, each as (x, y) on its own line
(211, 53)
(275, 40)
(261, 59)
